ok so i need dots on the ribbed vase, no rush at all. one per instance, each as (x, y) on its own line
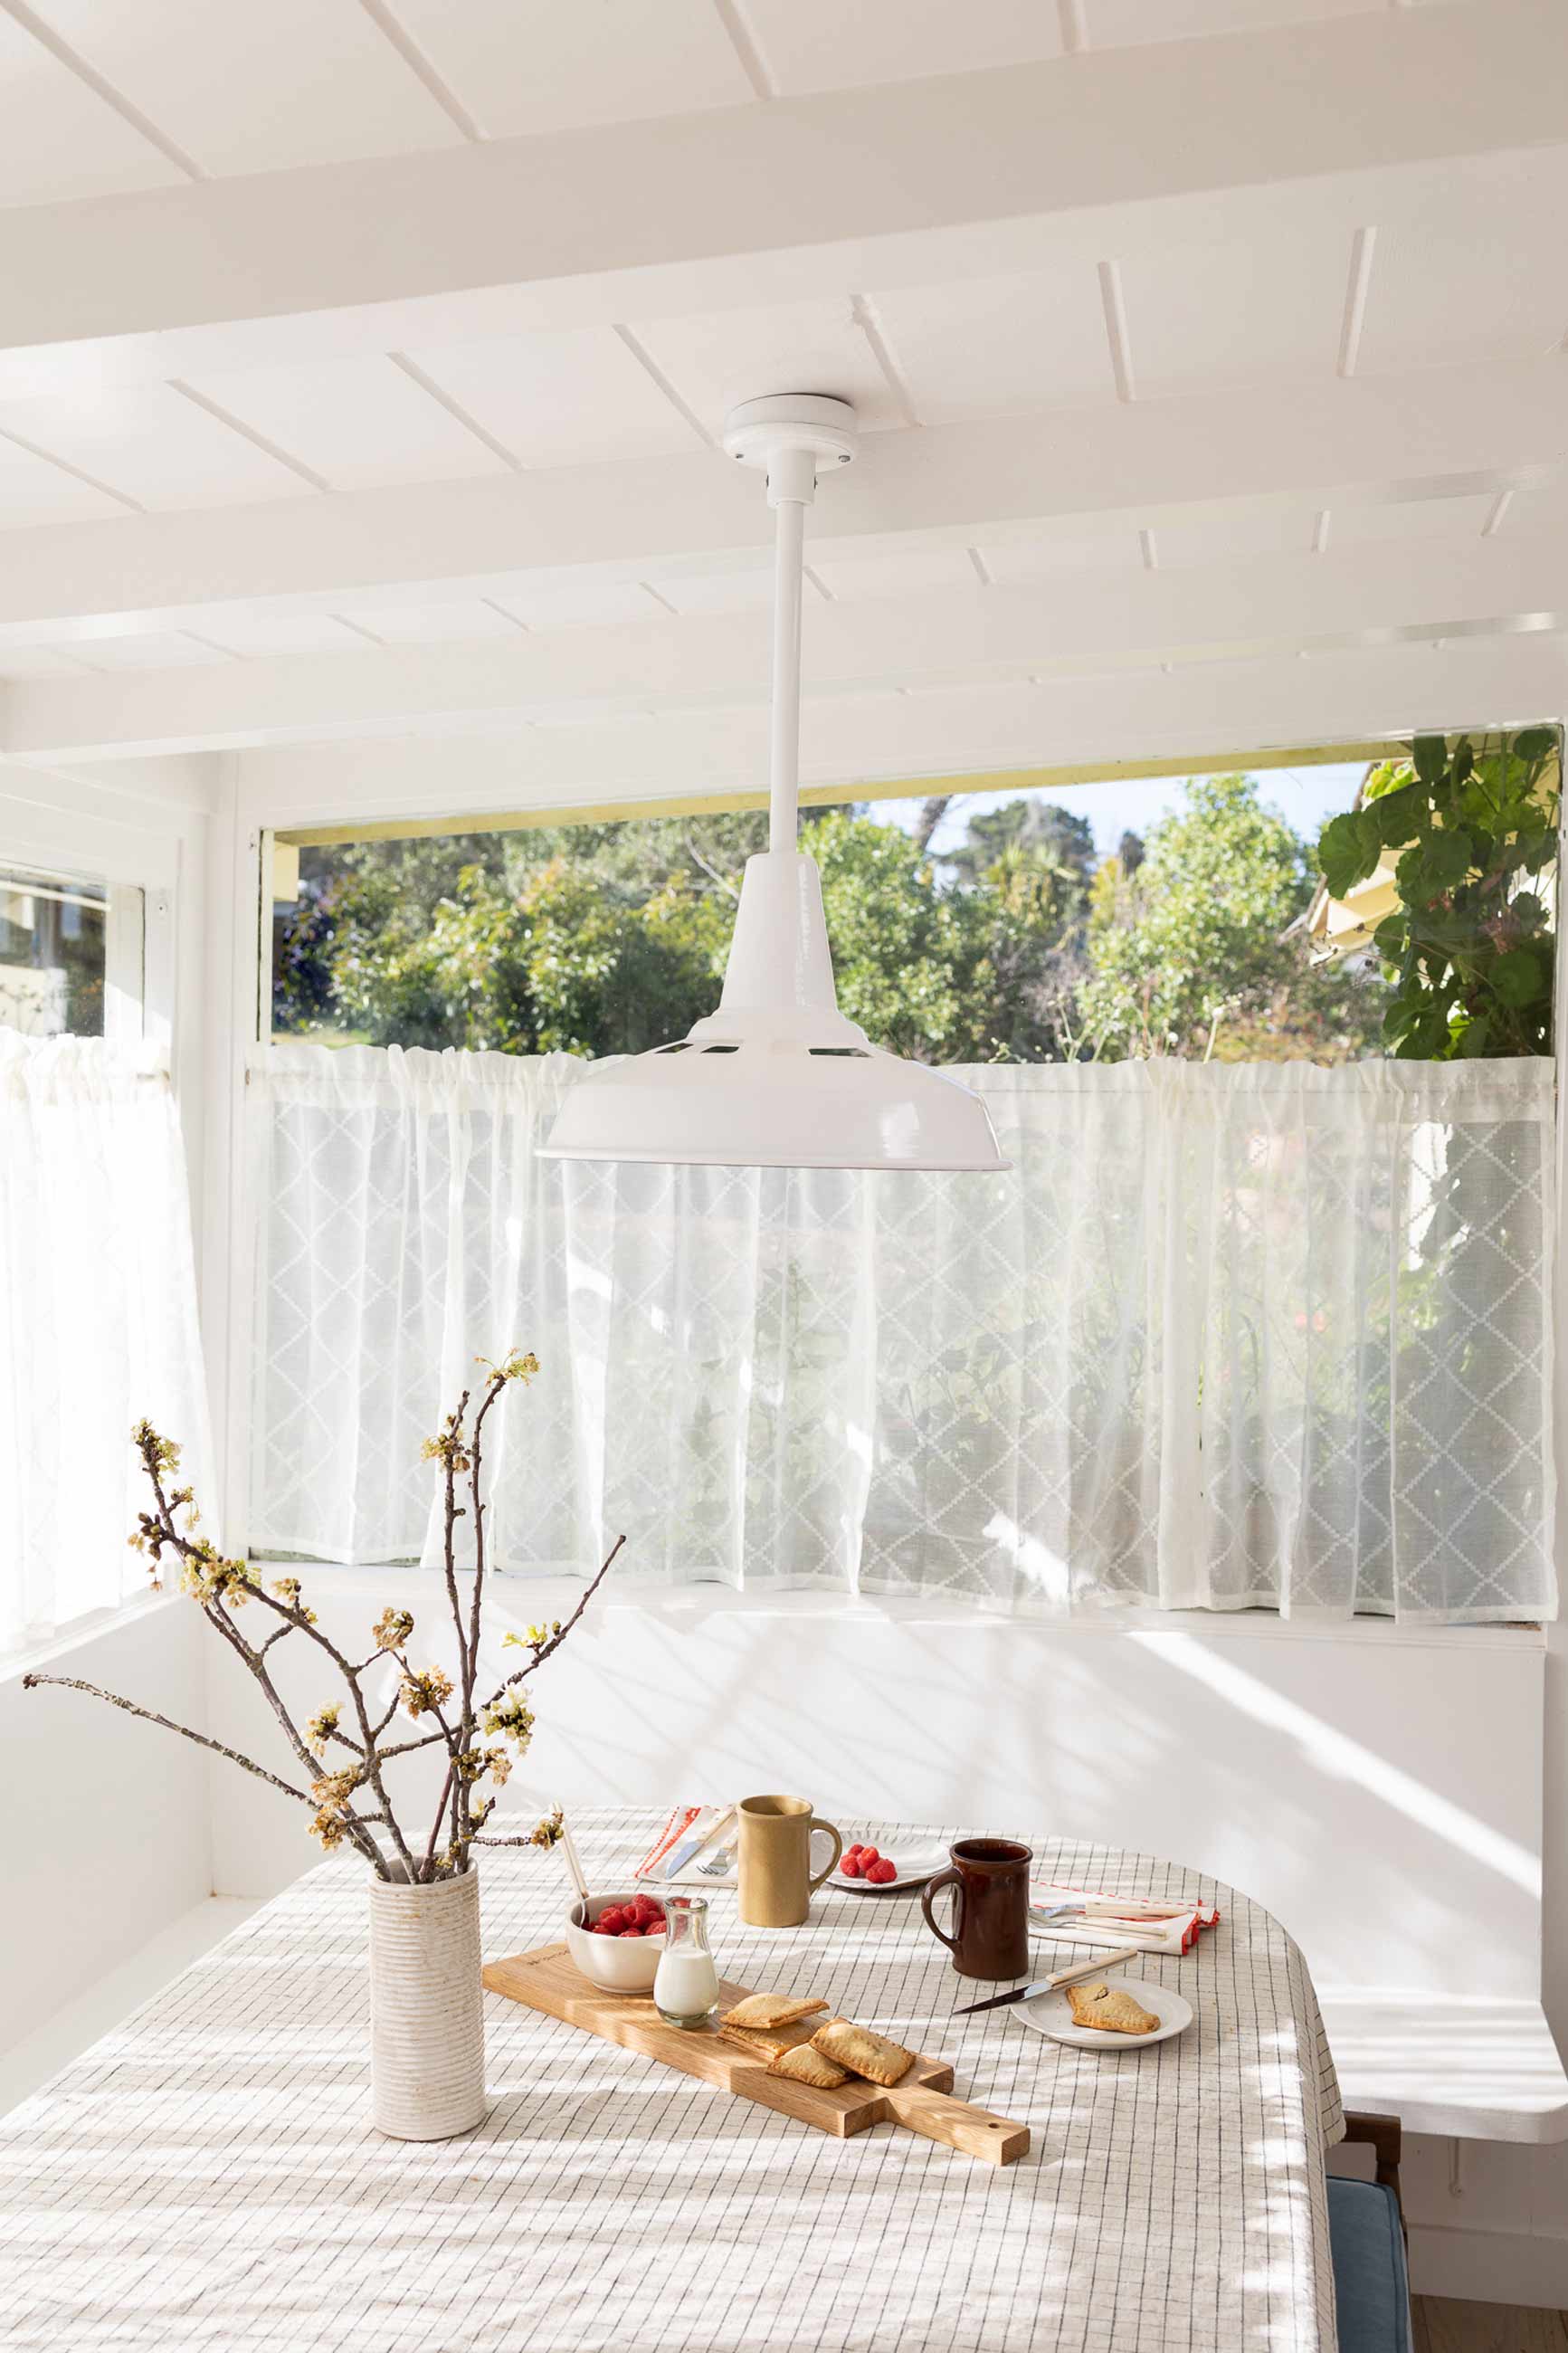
(427, 2009)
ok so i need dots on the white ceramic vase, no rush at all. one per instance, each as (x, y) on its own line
(427, 2009)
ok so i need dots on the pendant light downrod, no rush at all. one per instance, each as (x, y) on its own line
(789, 437)
(784, 735)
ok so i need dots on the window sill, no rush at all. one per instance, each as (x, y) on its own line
(1237, 1625)
(527, 1596)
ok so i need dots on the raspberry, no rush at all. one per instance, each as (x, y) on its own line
(613, 1919)
(869, 1854)
(856, 1849)
(631, 1932)
(850, 1866)
(655, 1917)
(881, 1871)
(599, 1929)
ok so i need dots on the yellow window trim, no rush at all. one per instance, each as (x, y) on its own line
(858, 788)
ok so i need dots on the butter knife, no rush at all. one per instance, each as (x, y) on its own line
(1050, 1984)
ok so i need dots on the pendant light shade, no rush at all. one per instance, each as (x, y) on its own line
(778, 1078)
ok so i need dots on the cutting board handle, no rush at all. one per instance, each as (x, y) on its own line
(940, 2116)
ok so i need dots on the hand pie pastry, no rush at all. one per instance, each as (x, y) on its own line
(771, 2010)
(757, 2041)
(805, 2065)
(863, 2053)
(1118, 2013)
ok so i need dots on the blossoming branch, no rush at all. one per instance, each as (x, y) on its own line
(342, 1751)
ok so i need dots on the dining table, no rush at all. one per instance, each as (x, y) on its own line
(208, 2175)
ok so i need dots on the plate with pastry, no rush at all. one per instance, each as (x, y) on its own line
(1109, 2013)
(871, 1870)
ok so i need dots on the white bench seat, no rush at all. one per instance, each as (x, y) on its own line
(1457, 2065)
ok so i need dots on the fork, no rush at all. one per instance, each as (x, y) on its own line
(1106, 1908)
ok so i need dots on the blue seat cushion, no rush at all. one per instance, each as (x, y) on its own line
(1371, 2287)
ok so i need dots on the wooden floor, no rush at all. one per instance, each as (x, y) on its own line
(1443, 2325)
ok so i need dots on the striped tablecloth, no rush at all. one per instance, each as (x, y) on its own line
(207, 2176)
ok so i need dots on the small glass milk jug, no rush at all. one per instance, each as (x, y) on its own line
(686, 1987)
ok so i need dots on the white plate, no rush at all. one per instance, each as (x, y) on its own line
(916, 1865)
(1050, 2013)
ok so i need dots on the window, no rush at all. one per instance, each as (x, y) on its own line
(98, 1313)
(1224, 917)
(70, 956)
(978, 927)
(1260, 1318)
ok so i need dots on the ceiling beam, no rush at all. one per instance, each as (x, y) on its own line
(743, 205)
(1191, 714)
(960, 638)
(130, 789)
(1431, 431)
(187, 781)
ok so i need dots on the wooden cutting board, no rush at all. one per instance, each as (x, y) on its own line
(548, 1979)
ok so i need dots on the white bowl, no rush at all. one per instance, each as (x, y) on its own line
(618, 1964)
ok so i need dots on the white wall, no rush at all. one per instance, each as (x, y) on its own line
(1379, 1791)
(103, 1819)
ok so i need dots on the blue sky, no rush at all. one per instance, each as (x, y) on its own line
(1305, 797)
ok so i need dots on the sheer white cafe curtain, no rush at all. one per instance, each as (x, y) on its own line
(98, 1320)
(1223, 1336)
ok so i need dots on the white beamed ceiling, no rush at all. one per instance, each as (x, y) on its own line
(363, 364)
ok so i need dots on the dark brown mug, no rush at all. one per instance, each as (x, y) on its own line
(990, 1883)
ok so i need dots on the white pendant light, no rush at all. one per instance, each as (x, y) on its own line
(778, 1078)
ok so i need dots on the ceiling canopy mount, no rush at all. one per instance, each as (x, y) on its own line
(780, 433)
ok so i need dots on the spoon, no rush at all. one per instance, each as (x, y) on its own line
(574, 1870)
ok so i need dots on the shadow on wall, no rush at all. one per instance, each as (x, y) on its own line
(1380, 1794)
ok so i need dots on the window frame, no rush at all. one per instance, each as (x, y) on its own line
(252, 970)
(277, 846)
(139, 933)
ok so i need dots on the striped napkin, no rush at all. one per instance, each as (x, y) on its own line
(1152, 1923)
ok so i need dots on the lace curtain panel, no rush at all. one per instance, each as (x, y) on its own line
(1224, 1337)
(99, 1307)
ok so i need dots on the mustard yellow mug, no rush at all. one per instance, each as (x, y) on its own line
(776, 1879)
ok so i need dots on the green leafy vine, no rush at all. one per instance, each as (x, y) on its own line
(1469, 951)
